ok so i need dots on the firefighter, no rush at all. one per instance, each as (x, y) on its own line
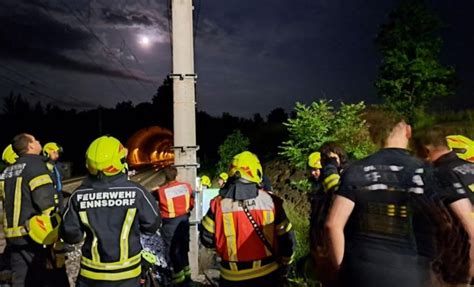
(328, 163)
(9, 157)
(249, 229)
(51, 152)
(205, 182)
(373, 225)
(176, 201)
(455, 176)
(223, 176)
(111, 212)
(31, 223)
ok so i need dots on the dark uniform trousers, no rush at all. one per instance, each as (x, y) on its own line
(30, 267)
(175, 233)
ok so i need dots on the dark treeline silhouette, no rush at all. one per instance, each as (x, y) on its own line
(74, 130)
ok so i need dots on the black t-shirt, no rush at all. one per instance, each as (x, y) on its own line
(387, 188)
(455, 178)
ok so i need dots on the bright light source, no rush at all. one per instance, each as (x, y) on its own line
(144, 41)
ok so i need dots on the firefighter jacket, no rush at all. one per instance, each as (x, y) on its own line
(456, 177)
(175, 199)
(244, 254)
(321, 198)
(27, 189)
(112, 212)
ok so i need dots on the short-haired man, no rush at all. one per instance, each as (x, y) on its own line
(371, 230)
(455, 177)
(29, 202)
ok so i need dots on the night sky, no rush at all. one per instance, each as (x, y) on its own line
(250, 56)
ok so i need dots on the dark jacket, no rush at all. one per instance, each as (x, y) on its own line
(28, 191)
(112, 212)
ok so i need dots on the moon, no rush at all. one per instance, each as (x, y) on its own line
(144, 41)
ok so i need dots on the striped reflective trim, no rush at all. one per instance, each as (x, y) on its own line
(15, 231)
(170, 205)
(287, 260)
(39, 181)
(95, 240)
(257, 264)
(209, 224)
(284, 227)
(111, 265)
(2, 189)
(112, 276)
(178, 277)
(231, 239)
(331, 181)
(268, 228)
(17, 202)
(471, 187)
(127, 225)
(248, 273)
(187, 197)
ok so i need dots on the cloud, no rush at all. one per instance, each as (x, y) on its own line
(32, 36)
(126, 17)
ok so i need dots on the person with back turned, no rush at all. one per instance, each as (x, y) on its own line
(109, 213)
(373, 224)
(176, 201)
(249, 228)
(454, 176)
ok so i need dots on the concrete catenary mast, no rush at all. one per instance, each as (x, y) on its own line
(184, 106)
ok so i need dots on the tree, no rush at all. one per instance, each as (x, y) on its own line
(411, 76)
(277, 115)
(163, 103)
(318, 123)
(235, 143)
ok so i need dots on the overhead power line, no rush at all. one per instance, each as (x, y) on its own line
(94, 35)
(111, 81)
(80, 103)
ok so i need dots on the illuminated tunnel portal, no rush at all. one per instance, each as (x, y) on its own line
(150, 145)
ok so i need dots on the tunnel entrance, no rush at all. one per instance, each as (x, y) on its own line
(150, 146)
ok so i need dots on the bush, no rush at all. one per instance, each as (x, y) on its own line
(319, 123)
(300, 222)
(235, 143)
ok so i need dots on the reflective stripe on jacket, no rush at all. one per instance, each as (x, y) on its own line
(244, 254)
(112, 212)
(27, 191)
(175, 199)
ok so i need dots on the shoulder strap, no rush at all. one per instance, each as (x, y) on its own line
(257, 229)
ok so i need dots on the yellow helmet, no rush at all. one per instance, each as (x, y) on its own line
(51, 146)
(462, 146)
(248, 166)
(9, 156)
(314, 160)
(205, 180)
(107, 155)
(224, 176)
(43, 228)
